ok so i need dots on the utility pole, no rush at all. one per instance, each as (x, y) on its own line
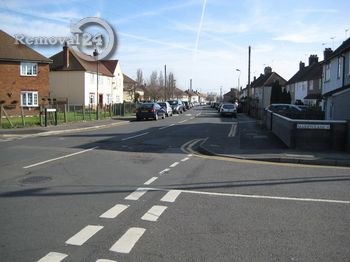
(165, 82)
(191, 84)
(249, 87)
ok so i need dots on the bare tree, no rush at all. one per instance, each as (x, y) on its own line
(152, 88)
(139, 77)
(171, 85)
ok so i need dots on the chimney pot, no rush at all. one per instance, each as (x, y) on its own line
(301, 65)
(327, 53)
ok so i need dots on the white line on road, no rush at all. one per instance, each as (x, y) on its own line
(185, 159)
(192, 118)
(233, 130)
(83, 235)
(131, 137)
(154, 213)
(174, 164)
(171, 196)
(183, 121)
(105, 260)
(136, 194)
(128, 240)
(58, 158)
(53, 257)
(114, 211)
(164, 171)
(189, 155)
(151, 180)
(172, 124)
(163, 127)
(266, 197)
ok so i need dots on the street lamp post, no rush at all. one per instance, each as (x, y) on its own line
(97, 96)
(238, 70)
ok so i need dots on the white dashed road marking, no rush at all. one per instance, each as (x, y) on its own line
(164, 171)
(174, 164)
(151, 180)
(131, 137)
(114, 211)
(105, 260)
(137, 194)
(183, 121)
(83, 235)
(189, 155)
(171, 196)
(185, 159)
(53, 257)
(128, 240)
(154, 213)
(61, 157)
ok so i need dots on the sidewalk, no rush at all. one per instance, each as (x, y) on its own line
(247, 139)
(63, 128)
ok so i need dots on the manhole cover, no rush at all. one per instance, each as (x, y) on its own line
(35, 180)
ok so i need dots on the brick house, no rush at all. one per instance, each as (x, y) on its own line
(24, 77)
(306, 84)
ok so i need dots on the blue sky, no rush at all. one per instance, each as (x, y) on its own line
(203, 40)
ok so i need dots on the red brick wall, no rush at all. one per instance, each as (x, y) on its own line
(12, 83)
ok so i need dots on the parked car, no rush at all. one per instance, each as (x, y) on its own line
(186, 105)
(177, 106)
(284, 108)
(228, 109)
(150, 110)
(166, 106)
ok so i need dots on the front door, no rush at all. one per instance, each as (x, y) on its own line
(100, 100)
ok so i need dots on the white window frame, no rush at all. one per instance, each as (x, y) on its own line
(339, 67)
(29, 98)
(28, 69)
(327, 76)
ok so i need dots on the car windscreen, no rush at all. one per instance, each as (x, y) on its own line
(228, 106)
(173, 102)
(162, 104)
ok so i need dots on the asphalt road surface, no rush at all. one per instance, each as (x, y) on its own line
(139, 192)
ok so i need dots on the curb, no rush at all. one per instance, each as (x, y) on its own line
(57, 132)
(318, 162)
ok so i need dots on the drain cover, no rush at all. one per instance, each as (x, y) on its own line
(35, 180)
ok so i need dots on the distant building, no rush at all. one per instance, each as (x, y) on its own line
(306, 84)
(232, 96)
(261, 87)
(24, 77)
(131, 88)
(336, 82)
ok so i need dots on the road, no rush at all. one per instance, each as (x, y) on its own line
(139, 192)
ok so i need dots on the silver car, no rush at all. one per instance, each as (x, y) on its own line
(166, 106)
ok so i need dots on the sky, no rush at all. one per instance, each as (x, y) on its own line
(203, 40)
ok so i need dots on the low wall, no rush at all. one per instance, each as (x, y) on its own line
(309, 134)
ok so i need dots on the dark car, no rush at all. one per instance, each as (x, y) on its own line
(177, 106)
(186, 105)
(167, 107)
(150, 110)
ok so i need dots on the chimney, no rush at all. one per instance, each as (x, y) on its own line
(327, 53)
(65, 56)
(301, 66)
(313, 59)
(254, 78)
(267, 70)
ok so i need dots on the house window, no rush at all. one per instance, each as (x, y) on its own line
(29, 98)
(109, 99)
(92, 98)
(311, 85)
(339, 67)
(29, 69)
(328, 72)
